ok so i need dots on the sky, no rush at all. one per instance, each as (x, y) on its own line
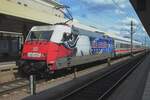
(111, 16)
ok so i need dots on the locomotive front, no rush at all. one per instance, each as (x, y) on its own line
(43, 46)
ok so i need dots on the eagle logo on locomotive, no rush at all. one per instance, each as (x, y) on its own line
(70, 40)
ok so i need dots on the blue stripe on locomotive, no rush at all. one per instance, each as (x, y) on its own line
(101, 45)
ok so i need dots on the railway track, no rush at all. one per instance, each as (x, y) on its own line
(13, 85)
(101, 87)
(19, 84)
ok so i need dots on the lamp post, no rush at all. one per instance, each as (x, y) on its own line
(132, 38)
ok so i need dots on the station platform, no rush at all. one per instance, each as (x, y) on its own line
(136, 86)
(146, 93)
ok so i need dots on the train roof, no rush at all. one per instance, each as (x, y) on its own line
(88, 30)
(84, 27)
(78, 27)
(42, 28)
(123, 39)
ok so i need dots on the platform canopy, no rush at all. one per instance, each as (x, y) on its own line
(25, 12)
(21, 15)
(142, 8)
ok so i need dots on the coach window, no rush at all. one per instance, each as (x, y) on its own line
(121, 45)
(118, 45)
(126, 45)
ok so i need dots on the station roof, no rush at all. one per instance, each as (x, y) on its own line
(142, 8)
(53, 2)
(12, 9)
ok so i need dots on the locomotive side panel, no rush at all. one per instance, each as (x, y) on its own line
(89, 49)
(83, 46)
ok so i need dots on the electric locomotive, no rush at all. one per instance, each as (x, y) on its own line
(51, 48)
(55, 47)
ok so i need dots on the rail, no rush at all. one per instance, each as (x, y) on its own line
(101, 87)
(14, 85)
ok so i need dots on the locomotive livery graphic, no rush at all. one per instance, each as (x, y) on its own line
(55, 47)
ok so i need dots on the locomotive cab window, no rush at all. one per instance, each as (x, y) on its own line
(40, 35)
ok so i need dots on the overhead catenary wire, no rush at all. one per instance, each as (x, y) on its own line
(138, 27)
(120, 8)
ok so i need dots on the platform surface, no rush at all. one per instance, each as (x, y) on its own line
(133, 87)
(146, 94)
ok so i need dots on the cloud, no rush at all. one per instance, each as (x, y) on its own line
(137, 26)
(118, 11)
(123, 5)
(120, 28)
(108, 15)
(113, 31)
(105, 1)
(128, 20)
